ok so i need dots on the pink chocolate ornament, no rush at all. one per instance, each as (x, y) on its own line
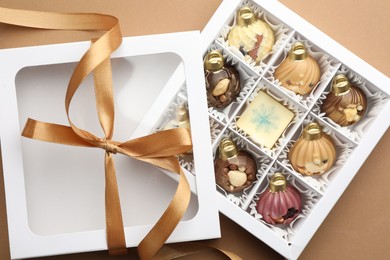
(280, 204)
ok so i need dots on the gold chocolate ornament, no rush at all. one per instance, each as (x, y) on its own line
(235, 169)
(222, 80)
(345, 104)
(299, 72)
(251, 36)
(314, 153)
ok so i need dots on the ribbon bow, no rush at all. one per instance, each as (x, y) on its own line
(158, 149)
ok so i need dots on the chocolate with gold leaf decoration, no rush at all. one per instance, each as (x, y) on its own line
(222, 80)
(345, 104)
(235, 169)
(251, 36)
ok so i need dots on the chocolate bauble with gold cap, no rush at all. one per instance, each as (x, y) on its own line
(251, 36)
(235, 169)
(345, 104)
(299, 72)
(222, 80)
(181, 120)
(314, 152)
(280, 203)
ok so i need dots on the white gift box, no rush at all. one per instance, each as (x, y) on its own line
(353, 143)
(55, 193)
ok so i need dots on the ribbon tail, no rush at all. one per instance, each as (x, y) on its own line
(155, 239)
(114, 224)
(57, 21)
(53, 133)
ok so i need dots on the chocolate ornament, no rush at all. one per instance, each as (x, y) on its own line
(314, 152)
(181, 120)
(299, 72)
(235, 169)
(345, 104)
(251, 36)
(280, 203)
(222, 81)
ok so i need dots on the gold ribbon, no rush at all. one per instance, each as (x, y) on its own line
(158, 149)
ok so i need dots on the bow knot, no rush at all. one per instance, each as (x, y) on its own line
(110, 146)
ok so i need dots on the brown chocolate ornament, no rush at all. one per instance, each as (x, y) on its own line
(314, 153)
(299, 72)
(235, 169)
(222, 81)
(345, 104)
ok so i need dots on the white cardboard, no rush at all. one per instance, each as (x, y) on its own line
(145, 191)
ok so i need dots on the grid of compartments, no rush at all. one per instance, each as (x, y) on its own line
(260, 78)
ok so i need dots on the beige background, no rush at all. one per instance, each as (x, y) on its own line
(358, 226)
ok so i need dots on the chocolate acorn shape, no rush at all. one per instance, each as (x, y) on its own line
(345, 104)
(235, 169)
(314, 153)
(251, 36)
(222, 80)
(299, 72)
(280, 203)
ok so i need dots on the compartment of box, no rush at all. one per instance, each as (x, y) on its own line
(344, 148)
(248, 79)
(328, 67)
(262, 163)
(177, 115)
(376, 100)
(309, 199)
(268, 117)
(281, 34)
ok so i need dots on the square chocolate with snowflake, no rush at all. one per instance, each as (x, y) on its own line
(265, 119)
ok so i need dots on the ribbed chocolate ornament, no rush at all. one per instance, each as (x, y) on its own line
(251, 36)
(314, 152)
(280, 203)
(345, 104)
(299, 72)
(235, 169)
(222, 80)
